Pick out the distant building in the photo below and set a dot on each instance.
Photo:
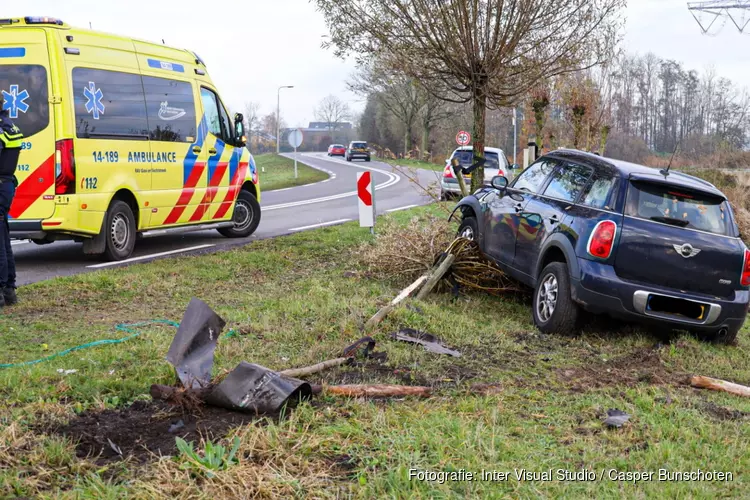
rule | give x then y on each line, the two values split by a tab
317	136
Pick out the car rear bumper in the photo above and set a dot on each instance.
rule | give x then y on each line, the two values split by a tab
359	155
598	289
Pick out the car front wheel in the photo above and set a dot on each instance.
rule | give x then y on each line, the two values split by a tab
246	217
469	228
554	310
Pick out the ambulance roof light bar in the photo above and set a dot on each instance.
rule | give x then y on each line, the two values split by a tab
43	20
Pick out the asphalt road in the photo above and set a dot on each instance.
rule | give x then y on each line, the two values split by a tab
285	211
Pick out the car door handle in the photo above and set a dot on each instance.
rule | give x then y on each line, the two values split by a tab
212	151
554	219
197	149
518	208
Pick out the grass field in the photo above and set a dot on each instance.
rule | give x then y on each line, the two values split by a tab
417	164
279	172
298	300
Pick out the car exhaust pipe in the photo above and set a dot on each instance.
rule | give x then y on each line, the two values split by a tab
723	331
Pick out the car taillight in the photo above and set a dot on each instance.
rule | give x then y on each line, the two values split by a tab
448	172
745	281
65	167
602	239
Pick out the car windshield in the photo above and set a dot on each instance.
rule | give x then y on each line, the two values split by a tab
359	145
466	158
678	207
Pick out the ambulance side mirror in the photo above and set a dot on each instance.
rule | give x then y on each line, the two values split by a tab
239	130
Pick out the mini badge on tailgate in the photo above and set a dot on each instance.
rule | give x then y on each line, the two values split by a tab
686	250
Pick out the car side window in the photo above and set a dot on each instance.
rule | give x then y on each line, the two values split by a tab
599	191
567	182
216	116
532	179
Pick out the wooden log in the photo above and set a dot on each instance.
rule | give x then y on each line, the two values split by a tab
716	384
372	391
436	276
385	310
309	370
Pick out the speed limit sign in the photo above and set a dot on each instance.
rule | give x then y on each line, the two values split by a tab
463	138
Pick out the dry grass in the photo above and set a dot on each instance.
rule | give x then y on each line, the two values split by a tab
405	252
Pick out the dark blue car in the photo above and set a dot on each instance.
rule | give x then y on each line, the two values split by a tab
605	236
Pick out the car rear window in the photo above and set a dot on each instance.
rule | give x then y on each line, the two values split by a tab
466	159
359	145
25	96
679	207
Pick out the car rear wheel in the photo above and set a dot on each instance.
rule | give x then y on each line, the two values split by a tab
246	217
120	231
469	228
554	310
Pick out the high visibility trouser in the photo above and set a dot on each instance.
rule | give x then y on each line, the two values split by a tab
11	140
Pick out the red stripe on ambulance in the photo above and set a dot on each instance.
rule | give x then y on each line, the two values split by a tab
234	189
33	187
213	188
187	193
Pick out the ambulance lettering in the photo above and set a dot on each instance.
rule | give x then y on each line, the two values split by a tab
150	157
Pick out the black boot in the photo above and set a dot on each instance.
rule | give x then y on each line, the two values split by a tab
9	296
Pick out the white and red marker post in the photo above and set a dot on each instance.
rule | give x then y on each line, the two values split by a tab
366	200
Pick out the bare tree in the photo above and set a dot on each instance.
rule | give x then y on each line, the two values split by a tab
252	120
332	111
395	91
487	52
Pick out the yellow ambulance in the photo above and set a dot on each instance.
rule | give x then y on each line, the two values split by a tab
123	139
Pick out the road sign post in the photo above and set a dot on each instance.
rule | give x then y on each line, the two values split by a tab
295	141
366	200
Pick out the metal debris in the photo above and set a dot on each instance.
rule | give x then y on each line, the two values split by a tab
114	447
254	388
430	342
192	350
616	418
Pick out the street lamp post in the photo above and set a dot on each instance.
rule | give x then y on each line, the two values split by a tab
278	115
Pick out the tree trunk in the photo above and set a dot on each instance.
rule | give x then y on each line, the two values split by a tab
480	118
425	137
407	141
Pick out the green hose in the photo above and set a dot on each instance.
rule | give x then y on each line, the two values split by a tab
124	327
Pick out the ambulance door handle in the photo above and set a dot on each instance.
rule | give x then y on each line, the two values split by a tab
197	149
212	151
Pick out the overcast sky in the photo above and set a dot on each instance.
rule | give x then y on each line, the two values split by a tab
252	47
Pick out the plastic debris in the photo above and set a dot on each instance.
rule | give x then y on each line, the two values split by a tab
429	341
254	388
66	372
176	426
616	418
192	350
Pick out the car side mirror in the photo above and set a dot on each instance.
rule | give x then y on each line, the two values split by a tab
515	166
499	182
239	130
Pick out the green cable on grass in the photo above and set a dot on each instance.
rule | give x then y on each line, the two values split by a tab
124	327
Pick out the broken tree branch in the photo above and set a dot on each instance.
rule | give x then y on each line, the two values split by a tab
384	311
436	276
372	391
309	370
716	384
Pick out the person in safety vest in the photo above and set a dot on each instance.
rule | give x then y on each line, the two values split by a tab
10	149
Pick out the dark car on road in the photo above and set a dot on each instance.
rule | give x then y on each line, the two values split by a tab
593	234
358	150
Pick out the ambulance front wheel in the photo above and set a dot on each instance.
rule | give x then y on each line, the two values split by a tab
246	217
120	231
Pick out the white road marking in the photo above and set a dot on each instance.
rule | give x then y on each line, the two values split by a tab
151	256
401	208
322	224
392	179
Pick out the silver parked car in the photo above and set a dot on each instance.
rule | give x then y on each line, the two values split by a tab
496	164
